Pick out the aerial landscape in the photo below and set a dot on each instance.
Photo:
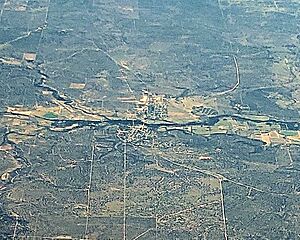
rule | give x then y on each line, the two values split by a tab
150	119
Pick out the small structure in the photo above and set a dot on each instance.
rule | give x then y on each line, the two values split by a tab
29	57
152	106
77	85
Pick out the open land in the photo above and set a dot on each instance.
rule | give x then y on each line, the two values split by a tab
147	119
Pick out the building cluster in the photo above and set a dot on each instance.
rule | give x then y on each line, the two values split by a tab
152	106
